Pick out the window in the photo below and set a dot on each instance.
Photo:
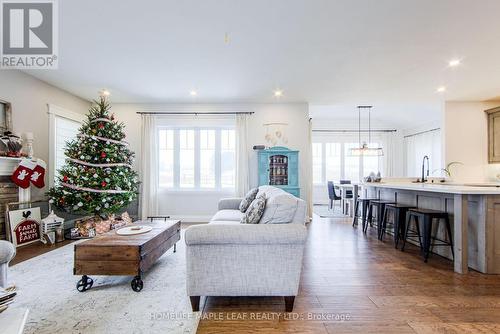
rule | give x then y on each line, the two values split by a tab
66	130
197	158
371	164
207	158
351	163
186	158
166	158
228	158
332	160
63	127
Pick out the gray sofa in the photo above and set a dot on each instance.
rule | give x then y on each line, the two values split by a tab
226	258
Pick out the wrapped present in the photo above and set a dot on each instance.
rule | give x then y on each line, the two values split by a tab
102	226
126	218
117	223
86	228
122	221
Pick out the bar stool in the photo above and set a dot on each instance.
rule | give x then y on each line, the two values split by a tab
399	223
364	210
428	216
380	205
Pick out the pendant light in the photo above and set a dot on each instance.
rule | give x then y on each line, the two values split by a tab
363	149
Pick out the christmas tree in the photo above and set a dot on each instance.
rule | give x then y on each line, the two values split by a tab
98	177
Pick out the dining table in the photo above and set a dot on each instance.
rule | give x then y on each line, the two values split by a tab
344	189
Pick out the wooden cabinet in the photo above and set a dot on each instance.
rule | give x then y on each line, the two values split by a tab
279	167
493	135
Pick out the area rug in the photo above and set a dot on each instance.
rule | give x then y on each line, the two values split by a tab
324	212
46	285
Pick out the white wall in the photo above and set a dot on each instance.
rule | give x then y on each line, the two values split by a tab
29	98
466	141
198	206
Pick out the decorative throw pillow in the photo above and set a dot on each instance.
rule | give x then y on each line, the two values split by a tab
249	197
254	211
280	209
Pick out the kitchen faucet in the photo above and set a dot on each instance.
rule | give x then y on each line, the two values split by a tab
423	169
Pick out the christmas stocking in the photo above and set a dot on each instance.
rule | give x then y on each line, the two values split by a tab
22	174
38	176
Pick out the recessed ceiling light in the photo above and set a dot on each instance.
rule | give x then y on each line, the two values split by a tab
441	89
193	93
454	62
278	93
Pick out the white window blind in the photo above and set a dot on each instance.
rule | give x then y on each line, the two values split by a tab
65	130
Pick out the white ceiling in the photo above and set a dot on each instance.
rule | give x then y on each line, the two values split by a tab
389	53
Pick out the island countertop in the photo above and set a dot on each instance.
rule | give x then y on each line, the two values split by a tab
447	188
474	209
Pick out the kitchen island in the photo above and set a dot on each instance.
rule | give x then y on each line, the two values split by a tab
474	212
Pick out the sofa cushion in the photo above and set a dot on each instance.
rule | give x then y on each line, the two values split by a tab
254	211
249	197
280	209
270	191
224	222
228	215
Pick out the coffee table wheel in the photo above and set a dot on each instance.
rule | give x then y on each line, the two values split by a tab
137	284
84	283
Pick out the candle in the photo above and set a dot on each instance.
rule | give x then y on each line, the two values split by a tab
29	135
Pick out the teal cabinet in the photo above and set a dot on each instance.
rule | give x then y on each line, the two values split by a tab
279	167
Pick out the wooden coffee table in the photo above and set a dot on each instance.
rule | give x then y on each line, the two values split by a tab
113	254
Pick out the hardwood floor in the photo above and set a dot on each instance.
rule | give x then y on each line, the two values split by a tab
352	283
37	248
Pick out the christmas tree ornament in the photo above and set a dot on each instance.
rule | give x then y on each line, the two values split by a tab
23	172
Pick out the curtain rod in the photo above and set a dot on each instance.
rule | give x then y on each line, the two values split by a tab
354	131
422	132
195	113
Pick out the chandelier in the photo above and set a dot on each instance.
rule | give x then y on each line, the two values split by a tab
364	149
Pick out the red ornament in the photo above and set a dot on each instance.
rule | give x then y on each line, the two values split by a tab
112	116
104	184
101	125
65	178
103	155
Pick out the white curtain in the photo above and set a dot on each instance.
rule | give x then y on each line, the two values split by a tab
308	170
149	166
389	168
419	145
242	153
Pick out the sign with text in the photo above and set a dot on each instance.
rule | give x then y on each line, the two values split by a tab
24	226
29	36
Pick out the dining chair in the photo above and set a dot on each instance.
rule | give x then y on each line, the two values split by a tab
332	195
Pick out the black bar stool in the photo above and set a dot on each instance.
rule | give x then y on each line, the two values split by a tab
399	223
364	210
380	205
428	216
